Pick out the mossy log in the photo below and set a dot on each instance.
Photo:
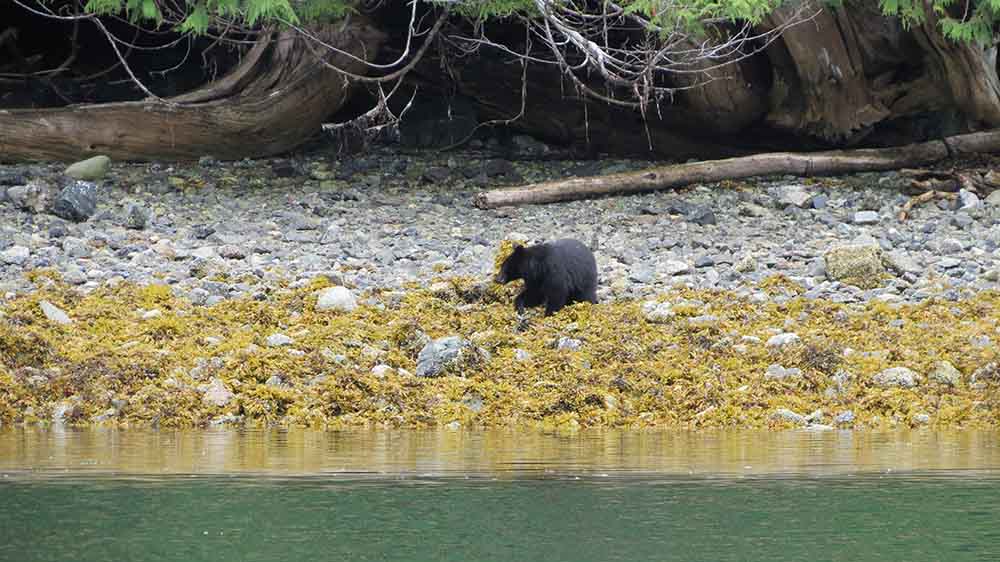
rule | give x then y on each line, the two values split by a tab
805	164
275	99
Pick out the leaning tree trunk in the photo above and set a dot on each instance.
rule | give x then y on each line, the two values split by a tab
271	102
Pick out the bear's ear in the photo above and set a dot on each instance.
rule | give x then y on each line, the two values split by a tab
518	249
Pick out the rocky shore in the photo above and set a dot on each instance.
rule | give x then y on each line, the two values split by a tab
233	270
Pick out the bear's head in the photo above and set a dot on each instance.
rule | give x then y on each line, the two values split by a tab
513	267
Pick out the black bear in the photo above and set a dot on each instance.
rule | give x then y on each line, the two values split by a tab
555	273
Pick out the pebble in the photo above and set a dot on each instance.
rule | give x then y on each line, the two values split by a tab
866	217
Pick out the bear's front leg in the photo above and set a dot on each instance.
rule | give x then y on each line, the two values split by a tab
526	299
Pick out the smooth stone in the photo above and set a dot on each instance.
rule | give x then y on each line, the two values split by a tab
54	313
336	298
866	217
15	255
901	377
216	393
278	340
781	340
91	169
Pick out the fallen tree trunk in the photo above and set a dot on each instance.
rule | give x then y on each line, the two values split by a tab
807	164
272	102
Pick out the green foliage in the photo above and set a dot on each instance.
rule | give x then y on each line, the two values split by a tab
959	22
690	15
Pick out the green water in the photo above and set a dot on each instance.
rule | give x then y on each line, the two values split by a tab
256	496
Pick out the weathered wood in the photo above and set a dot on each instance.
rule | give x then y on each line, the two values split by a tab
276	99
804	164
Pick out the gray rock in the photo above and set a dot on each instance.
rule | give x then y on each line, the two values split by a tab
451	354
74	276
75	247
136	217
521	355
276	381
571	344
968	200
844	417
278	340
921	419
856	264
657	312
993	199
704	261
54	313
216	393
795	195
866	217
642	274
232	252
746	264
381	371
91	169
675	267
945	373
77	201
703	321
988	372
784	414
777	372
950	246
15	255
336	298
949	263
899	377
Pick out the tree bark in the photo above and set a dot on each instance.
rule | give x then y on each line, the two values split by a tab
808	164
273	101
821	88
967	71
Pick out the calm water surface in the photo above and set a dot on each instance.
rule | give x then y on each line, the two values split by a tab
444	495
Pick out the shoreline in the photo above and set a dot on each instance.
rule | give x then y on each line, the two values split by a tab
193	291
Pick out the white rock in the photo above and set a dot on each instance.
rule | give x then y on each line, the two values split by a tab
676	267
15	255
782	340
336	298
216	393
278	340
55	314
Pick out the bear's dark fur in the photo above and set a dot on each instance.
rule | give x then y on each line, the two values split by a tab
555	274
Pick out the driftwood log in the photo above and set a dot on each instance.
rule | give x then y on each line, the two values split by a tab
274	100
801	164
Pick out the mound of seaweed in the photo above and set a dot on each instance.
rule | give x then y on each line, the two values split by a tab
141	356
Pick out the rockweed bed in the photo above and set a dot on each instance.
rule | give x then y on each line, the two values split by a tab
131	355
